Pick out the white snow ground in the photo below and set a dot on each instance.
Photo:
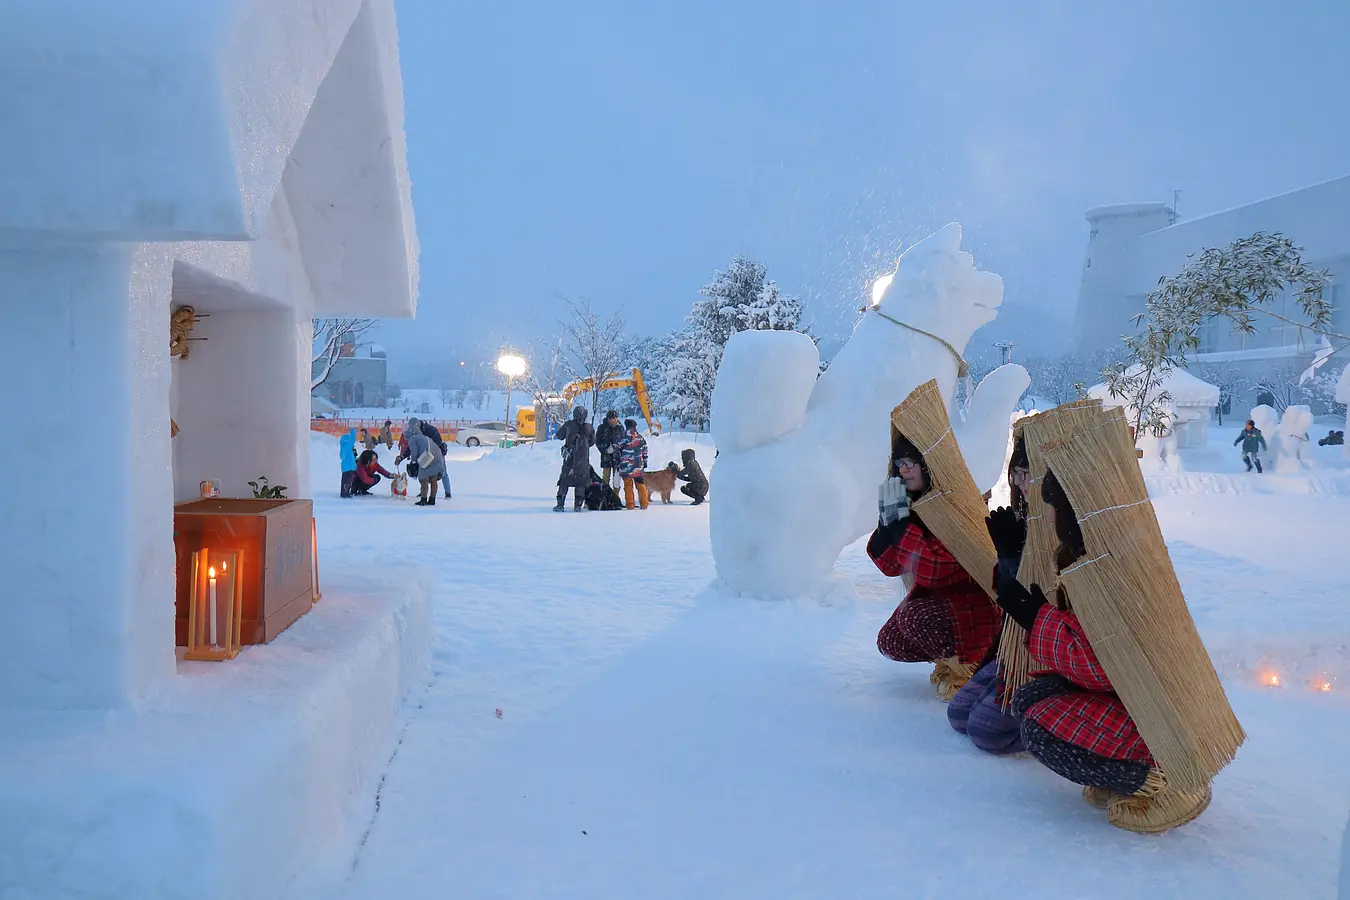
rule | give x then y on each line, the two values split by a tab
659	740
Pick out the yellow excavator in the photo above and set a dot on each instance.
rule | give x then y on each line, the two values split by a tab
527	419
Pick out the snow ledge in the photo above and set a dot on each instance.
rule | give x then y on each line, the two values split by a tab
237	779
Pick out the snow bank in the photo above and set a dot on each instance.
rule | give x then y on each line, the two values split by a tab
238	778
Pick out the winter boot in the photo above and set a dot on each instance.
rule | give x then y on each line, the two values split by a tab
559	508
949	675
1156	807
1098	797
1258	467
1248	461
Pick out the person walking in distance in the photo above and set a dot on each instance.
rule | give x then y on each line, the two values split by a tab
608	437
1253	442
577	438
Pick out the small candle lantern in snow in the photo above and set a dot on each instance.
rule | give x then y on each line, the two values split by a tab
216	609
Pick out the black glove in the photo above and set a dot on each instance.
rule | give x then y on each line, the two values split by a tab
1008	531
1020	604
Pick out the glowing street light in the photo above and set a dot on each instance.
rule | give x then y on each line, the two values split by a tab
511	366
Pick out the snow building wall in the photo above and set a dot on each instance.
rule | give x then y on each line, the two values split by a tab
245	157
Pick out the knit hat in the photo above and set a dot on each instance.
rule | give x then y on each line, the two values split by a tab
612	414
630	424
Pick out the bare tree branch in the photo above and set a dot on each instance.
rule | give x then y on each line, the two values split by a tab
330	336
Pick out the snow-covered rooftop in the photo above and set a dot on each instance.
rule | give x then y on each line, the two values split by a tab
1184	388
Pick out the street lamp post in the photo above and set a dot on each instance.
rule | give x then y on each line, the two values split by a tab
511	366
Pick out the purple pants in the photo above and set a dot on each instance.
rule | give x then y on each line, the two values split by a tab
975	712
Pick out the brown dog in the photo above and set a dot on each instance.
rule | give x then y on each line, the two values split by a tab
661	481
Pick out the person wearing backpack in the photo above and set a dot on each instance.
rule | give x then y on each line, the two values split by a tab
430	461
577	438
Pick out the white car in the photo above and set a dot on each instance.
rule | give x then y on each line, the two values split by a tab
490	433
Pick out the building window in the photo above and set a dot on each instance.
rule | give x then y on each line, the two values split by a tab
360	394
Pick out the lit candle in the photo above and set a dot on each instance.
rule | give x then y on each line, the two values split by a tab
1274	680
212	573
1326	687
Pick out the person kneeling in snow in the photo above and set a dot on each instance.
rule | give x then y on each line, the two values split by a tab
368	472
946	618
1072	719
977	710
697	488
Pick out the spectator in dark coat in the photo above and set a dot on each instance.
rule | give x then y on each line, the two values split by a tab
697	488
368	472
607	439
946	618
577	438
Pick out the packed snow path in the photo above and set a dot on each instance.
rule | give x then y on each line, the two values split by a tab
659	740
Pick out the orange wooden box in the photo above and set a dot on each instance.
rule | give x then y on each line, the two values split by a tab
278	562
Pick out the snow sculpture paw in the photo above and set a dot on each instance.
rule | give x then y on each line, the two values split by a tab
801	458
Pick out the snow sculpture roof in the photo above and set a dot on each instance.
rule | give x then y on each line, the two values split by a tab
156	120
1184	388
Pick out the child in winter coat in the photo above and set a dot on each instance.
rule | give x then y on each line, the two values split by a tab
1252	442
946	618
697	488
1072	720
632	462
347	457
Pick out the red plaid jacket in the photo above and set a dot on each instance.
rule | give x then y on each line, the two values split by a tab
976	621
1093	718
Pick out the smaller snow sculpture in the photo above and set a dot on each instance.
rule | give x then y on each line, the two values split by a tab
1290	451
1268	423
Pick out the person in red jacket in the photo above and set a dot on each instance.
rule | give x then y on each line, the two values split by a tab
1071	718
946	618
368	472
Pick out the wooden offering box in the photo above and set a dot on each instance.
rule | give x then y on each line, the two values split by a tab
277	564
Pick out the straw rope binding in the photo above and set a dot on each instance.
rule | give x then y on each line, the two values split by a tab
1125	594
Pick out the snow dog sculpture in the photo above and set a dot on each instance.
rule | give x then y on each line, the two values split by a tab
801	456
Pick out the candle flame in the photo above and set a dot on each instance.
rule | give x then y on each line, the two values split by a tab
1273	680
211	572
224	567
1326	687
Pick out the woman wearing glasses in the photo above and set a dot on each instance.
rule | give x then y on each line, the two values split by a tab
945	618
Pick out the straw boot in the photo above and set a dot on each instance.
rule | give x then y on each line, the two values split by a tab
1098	797
1156	807
949	675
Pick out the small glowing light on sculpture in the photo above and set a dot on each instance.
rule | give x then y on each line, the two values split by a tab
1273	679
879	287
1325	687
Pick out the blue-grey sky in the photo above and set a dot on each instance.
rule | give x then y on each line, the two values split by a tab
624	151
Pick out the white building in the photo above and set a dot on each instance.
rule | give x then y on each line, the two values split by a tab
1190	407
1131	246
245	158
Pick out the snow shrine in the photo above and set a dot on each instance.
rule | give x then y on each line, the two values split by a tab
196	182
1191	409
801	457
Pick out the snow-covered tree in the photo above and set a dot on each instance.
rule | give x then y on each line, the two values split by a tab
1054	379
739	298
1229	379
592	348
1236	283
330	336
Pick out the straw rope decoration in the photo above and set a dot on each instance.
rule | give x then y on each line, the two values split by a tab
1125	594
1038	554
953	508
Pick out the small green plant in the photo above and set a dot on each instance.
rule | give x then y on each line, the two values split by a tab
263	491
